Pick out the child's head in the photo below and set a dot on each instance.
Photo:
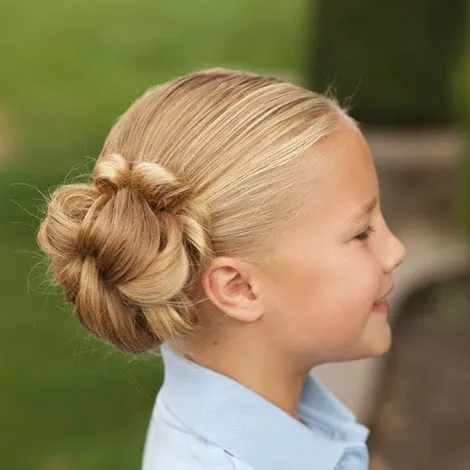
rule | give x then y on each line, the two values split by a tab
223	208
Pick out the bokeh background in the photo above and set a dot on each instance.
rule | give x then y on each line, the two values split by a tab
68	69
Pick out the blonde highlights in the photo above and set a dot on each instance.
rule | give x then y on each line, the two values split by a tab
201	166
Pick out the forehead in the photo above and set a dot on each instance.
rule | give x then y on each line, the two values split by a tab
346	177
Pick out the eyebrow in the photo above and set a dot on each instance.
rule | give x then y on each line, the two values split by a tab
365	209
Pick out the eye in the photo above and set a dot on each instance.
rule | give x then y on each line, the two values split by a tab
364	235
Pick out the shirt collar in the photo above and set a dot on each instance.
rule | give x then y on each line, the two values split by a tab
246	425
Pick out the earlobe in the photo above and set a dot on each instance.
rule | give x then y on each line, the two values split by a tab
227	285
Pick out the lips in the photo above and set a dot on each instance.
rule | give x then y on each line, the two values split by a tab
383	298
381	304
382	307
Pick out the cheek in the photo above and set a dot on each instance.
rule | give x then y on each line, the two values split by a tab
342	279
326	301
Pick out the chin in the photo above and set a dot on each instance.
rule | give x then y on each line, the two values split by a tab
378	340
380	346
375	347
378	352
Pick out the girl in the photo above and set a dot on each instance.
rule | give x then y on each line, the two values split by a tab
234	220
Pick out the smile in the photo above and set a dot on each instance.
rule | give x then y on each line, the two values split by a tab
382	306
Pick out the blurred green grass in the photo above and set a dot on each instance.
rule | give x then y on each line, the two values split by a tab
73	67
68	69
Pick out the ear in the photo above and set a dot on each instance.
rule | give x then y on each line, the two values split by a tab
228	284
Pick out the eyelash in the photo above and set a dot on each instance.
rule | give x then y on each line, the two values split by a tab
364	235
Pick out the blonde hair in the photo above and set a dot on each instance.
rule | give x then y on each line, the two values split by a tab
198	167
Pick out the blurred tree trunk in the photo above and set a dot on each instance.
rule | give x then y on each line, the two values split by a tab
396	60
463	105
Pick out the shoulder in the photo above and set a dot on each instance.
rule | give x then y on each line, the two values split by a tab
171	445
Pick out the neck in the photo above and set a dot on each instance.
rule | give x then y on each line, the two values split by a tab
261	369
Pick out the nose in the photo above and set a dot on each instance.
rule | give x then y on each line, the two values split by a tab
395	253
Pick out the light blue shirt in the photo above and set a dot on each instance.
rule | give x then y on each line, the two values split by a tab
205	420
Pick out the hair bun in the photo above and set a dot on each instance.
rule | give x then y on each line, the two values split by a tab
159	186
128	274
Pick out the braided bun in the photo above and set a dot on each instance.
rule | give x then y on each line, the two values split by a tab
125	248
